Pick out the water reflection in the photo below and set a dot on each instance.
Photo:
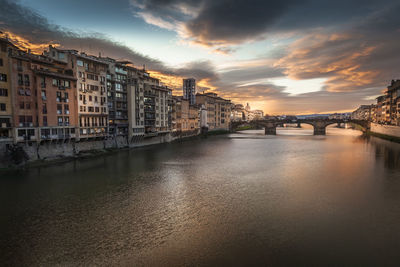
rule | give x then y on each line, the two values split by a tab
240	199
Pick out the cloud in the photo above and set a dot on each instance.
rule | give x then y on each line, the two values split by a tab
224	23
31	30
362	56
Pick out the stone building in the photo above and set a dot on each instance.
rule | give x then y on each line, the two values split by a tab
185	116
362	113
388	105
238	113
149	105
117	96
189	90
218	110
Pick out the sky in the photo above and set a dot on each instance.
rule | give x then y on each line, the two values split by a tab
281	56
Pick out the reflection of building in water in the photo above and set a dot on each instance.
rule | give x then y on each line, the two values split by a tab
388	151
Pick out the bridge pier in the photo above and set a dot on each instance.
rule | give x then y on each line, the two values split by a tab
270	129
319	130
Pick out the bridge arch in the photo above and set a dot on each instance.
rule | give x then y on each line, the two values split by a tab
319	125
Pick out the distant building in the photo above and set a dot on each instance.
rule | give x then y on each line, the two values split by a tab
339	116
238	113
388	105
189	90
252	114
362	113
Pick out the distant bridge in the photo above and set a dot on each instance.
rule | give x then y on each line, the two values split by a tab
319	125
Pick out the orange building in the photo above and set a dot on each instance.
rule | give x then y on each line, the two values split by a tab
44	97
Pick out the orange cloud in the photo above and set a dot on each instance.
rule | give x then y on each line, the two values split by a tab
25	44
336	56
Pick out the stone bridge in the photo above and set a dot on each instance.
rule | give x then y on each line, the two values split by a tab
319	125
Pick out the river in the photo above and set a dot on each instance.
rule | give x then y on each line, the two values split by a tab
240	199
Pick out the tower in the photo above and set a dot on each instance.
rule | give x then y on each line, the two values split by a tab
189	90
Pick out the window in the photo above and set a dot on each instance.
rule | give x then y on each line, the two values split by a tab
90	98
60	120
79	63
55	82
66	109
2	107
28	105
97	109
45	120
66	119
67	84
27	92
3	77
26	79
21	91
43	94
3	92
58	98
21	105
44	108
1	62
61	55
95	99
59	109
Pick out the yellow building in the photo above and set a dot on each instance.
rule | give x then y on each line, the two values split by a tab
218	110
185	117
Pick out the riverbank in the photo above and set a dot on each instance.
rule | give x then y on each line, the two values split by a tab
35	155
387	132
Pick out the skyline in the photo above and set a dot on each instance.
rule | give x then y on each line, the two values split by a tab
282	57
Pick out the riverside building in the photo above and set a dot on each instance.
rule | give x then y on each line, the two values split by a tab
6	106
218	110
90	73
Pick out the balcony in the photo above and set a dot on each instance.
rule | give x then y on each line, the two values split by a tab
25	124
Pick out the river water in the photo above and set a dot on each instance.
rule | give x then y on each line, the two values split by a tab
241	199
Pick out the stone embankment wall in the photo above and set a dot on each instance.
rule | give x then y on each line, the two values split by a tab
388	130
22	153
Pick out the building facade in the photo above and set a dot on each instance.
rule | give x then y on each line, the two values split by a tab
6	105
387	107
218	110
90	73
